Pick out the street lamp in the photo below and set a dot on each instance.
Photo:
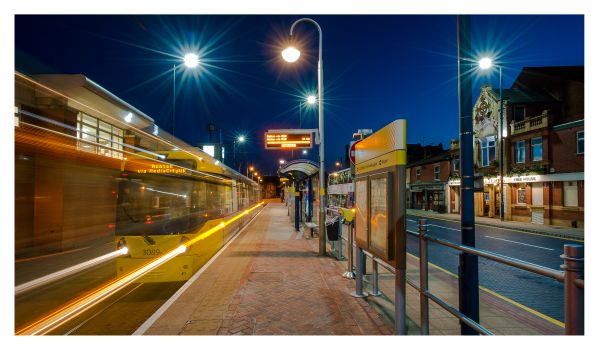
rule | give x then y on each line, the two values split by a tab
291	54
239	140
281	161
190	60
251	168
309	100
486	63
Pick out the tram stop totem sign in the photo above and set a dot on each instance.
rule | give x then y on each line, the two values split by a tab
380	192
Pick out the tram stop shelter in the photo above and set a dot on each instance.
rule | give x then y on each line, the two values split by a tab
303	190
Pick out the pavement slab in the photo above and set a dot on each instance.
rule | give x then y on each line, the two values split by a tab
270	281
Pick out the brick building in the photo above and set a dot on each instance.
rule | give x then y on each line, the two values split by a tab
428	183
543	148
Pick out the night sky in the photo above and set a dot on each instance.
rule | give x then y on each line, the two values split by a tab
377	68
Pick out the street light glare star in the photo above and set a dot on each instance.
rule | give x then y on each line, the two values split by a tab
241	138
311	99
485	63
191	60
290	54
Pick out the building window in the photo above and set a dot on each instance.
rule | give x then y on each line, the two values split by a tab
536	149
570	194
520	151
518	113
99	137
580	143
488	151
418	173
521	195
436	172
456	164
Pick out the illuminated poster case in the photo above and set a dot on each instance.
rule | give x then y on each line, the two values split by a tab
373	221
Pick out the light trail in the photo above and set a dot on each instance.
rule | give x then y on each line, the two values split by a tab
112	118
75	308
47	279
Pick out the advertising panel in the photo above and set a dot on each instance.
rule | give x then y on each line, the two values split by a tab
379	215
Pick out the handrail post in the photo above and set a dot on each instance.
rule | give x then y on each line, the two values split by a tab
573	266
340	256
423	277
360	269
350	269
375	279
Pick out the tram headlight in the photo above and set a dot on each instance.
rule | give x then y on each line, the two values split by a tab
122	246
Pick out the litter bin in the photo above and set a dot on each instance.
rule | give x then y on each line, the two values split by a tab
332	230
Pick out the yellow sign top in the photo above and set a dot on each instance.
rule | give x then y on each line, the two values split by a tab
384	148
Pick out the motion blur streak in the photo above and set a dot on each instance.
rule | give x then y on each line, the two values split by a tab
67	271
149	135
78	306
220	226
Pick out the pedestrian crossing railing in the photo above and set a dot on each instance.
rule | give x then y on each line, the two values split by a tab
572	276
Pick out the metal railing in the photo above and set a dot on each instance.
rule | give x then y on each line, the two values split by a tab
572	276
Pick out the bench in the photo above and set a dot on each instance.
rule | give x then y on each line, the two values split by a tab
310	226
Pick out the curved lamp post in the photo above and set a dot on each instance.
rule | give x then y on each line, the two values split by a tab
486	63
291	54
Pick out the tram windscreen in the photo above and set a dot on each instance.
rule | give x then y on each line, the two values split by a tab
168	205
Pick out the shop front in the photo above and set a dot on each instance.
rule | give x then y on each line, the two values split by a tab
428	197
551	199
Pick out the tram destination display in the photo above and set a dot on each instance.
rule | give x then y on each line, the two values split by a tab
288	140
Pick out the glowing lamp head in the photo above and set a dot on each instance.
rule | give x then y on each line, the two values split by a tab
290	54
129	117
304	152
485	63
281	162
191	60
241	138
311	99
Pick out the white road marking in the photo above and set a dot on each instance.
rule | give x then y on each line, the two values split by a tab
439	226
516	242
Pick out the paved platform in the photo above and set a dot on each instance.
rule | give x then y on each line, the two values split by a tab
269	281
551	230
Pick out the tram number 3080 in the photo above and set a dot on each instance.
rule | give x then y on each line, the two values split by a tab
151	252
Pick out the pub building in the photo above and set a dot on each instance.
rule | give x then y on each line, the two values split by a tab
543	153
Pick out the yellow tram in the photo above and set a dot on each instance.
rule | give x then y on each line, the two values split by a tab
165	203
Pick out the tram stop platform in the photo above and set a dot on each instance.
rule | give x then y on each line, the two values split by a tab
269	280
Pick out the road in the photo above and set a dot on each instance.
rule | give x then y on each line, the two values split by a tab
542	294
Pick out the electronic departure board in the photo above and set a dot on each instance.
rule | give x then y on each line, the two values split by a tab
288	140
